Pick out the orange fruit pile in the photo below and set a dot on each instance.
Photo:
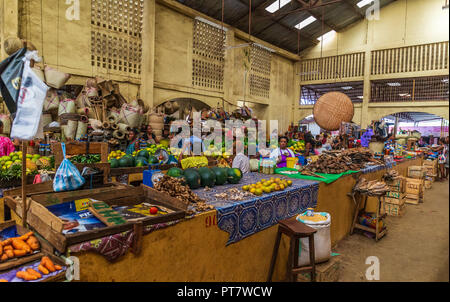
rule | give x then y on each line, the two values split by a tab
267	186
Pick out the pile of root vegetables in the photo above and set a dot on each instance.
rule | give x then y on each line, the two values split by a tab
340	161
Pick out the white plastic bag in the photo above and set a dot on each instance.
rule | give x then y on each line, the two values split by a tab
29	105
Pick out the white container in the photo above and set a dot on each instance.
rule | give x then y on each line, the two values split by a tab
322	240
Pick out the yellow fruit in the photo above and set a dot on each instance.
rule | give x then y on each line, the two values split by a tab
267	190
263	180
289	182
277	180
281	187
258	192
252	190
245	188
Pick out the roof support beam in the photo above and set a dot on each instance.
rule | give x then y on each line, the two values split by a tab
354	8
308	7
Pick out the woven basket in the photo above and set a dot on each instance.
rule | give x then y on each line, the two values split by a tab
51	101
331	109
12	44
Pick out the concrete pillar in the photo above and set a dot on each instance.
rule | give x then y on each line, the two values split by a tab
148	53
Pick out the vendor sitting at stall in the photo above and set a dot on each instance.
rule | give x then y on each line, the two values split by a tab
133	141
6	146
149	137
282	152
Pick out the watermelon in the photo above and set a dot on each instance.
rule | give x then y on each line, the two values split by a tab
175	172
143	153
141	161
234	175
153	160
208	177
221	175
114	163
126	161
192	178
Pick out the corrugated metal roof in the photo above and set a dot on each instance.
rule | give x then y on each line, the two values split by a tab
278	28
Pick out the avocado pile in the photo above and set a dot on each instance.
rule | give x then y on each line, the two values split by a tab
207	177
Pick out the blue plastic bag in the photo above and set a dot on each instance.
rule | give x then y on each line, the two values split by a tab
67	178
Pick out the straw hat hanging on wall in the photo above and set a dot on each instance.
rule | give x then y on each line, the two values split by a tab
331	109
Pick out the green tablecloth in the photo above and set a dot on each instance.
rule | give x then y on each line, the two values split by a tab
329	178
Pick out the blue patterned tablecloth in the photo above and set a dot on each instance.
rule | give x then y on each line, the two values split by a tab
244	218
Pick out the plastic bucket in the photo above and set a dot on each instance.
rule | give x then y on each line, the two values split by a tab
291	162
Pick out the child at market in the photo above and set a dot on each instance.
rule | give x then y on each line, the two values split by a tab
6	146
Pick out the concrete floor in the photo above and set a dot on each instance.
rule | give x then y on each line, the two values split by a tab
416	247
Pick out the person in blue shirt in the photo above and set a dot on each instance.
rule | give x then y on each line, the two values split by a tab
133	141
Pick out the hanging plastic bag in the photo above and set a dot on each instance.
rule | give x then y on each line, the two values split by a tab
67	178
29	105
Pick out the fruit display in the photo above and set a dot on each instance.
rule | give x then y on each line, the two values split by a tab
11	165
206	177
18	246
267	186
297	147
139	158
85	159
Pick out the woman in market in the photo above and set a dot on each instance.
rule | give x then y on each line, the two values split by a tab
282	152
442	150
309	144
6	146
133	141
149	136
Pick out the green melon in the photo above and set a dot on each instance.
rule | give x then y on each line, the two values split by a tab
126	161
141	161
114	163
143	153
153	160
175	172
234	175
221	175
192	178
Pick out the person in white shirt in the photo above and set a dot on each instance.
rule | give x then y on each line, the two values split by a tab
240	161
282	152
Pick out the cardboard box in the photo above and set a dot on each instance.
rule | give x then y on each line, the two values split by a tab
427	184
395	209
414	186
325	272
417	172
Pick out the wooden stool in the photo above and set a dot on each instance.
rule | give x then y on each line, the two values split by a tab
295	230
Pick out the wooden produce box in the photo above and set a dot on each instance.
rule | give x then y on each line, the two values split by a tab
430	171
397	185
414	187
60	276
394	195
11	263
139	170
428	184
398	200
392	209
413	199
432	163
416	172
51	226
325	272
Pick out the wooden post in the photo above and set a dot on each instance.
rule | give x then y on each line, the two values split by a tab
24	183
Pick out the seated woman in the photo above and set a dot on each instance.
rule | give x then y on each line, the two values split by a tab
133	141
282	152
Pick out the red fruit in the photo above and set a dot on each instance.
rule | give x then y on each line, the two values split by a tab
153	210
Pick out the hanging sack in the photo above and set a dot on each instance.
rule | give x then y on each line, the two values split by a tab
130	115
55	78
67	178
67	106
29	105
51	101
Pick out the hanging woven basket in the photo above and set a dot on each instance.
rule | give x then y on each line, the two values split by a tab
331	109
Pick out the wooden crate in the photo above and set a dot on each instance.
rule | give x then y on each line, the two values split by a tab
398	200
430	171
413	199
432	163
416	172
394	195
414	187
427	184
395	209
77	148
50	226
397	185
11	263
325	272
61	276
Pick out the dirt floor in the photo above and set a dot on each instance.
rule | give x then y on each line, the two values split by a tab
416	247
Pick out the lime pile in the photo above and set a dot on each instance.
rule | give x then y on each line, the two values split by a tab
267	186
